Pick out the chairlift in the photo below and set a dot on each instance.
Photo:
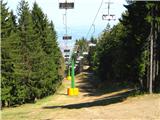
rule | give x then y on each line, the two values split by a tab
66	56
76	65
67	50
108	17
66	59
81	57
66	37
85	53
92	45
64	4
78	59
77	62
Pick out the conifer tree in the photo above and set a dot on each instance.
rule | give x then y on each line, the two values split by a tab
28	53
46	35
32	63
8	35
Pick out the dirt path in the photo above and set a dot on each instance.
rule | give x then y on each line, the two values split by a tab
90	104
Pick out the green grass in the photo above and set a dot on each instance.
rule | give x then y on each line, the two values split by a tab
49	98
23	112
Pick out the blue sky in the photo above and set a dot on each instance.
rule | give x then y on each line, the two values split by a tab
79	19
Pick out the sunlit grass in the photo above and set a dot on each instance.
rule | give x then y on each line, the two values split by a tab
23	112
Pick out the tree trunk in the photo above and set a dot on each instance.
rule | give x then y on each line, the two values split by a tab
151	63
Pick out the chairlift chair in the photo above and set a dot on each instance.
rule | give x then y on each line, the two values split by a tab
66	56
66	4
81	57
78	59
66	37
92	45
85	53
66	50
76	65
77	62
108	17
66	59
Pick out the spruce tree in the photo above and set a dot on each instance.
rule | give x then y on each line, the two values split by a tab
32	63
28	54
8	38
46	36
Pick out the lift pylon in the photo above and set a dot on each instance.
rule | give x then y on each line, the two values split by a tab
73	90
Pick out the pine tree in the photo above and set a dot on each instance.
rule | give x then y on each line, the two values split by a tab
52	52
32	63
47	37
8	35
123	50
136	40
28	55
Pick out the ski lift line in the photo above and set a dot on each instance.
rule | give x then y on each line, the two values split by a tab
94	19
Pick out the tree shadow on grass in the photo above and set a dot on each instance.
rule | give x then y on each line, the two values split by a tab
90	85
99	102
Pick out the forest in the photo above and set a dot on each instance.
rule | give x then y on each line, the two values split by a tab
32	64
123	52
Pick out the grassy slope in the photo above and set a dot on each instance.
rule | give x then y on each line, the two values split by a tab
87	106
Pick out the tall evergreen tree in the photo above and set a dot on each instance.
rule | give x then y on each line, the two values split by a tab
123	50
47	37
28	54
8	37
136	40
32	63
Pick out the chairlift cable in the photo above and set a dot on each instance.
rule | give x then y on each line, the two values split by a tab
94	19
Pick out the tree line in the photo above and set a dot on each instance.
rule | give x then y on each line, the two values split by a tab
123	52
31	61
